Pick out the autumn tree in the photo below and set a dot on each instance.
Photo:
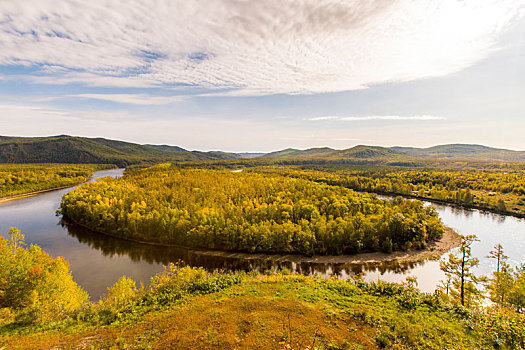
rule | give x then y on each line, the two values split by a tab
34	285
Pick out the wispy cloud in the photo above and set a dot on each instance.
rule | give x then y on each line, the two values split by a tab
378	117
36	112
249	48
136	99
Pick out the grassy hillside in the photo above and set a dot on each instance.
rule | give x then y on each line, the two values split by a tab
368	152
81	150
250	154
188	309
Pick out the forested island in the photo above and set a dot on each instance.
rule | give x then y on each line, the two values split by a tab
248	212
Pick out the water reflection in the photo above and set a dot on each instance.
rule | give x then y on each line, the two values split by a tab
211	260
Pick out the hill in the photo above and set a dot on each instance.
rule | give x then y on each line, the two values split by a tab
464	151
82	150
250	154
359	152
400	155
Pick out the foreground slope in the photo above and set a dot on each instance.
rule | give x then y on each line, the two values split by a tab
41	307
189	309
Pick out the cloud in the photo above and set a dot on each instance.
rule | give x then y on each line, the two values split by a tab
249	47
137	99
378	117
35	113
8	111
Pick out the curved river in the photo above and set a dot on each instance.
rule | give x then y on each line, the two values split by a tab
98	261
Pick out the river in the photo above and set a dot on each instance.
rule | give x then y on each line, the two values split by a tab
98	261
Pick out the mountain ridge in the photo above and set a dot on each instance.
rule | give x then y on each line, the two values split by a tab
81	150
462	151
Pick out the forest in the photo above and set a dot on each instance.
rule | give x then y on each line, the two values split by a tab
497	190
248	212
18	179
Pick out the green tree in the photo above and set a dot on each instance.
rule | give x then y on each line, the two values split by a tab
497	254
459	267
500	281
516	295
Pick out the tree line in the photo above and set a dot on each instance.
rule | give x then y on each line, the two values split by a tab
496	190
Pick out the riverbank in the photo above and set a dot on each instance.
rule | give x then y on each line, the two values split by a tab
33	179
36	218
455	205
30	194
433	251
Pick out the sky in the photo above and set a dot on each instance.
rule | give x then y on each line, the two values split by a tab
259	76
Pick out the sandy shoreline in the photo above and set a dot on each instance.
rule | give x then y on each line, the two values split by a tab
30	194
434	250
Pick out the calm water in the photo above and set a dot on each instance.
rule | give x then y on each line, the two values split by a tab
97	261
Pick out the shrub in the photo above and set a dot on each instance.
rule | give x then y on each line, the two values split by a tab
175	282
35	286
121	294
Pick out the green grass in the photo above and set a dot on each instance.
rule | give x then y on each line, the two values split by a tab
189	309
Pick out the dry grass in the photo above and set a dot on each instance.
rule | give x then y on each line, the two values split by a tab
267	312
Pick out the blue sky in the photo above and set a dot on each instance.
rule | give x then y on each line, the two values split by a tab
261	76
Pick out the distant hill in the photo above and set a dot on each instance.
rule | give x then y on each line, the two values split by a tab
168	148
368	152
82	150
464	151
357	152
250	154
401	155
71	149
296	153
